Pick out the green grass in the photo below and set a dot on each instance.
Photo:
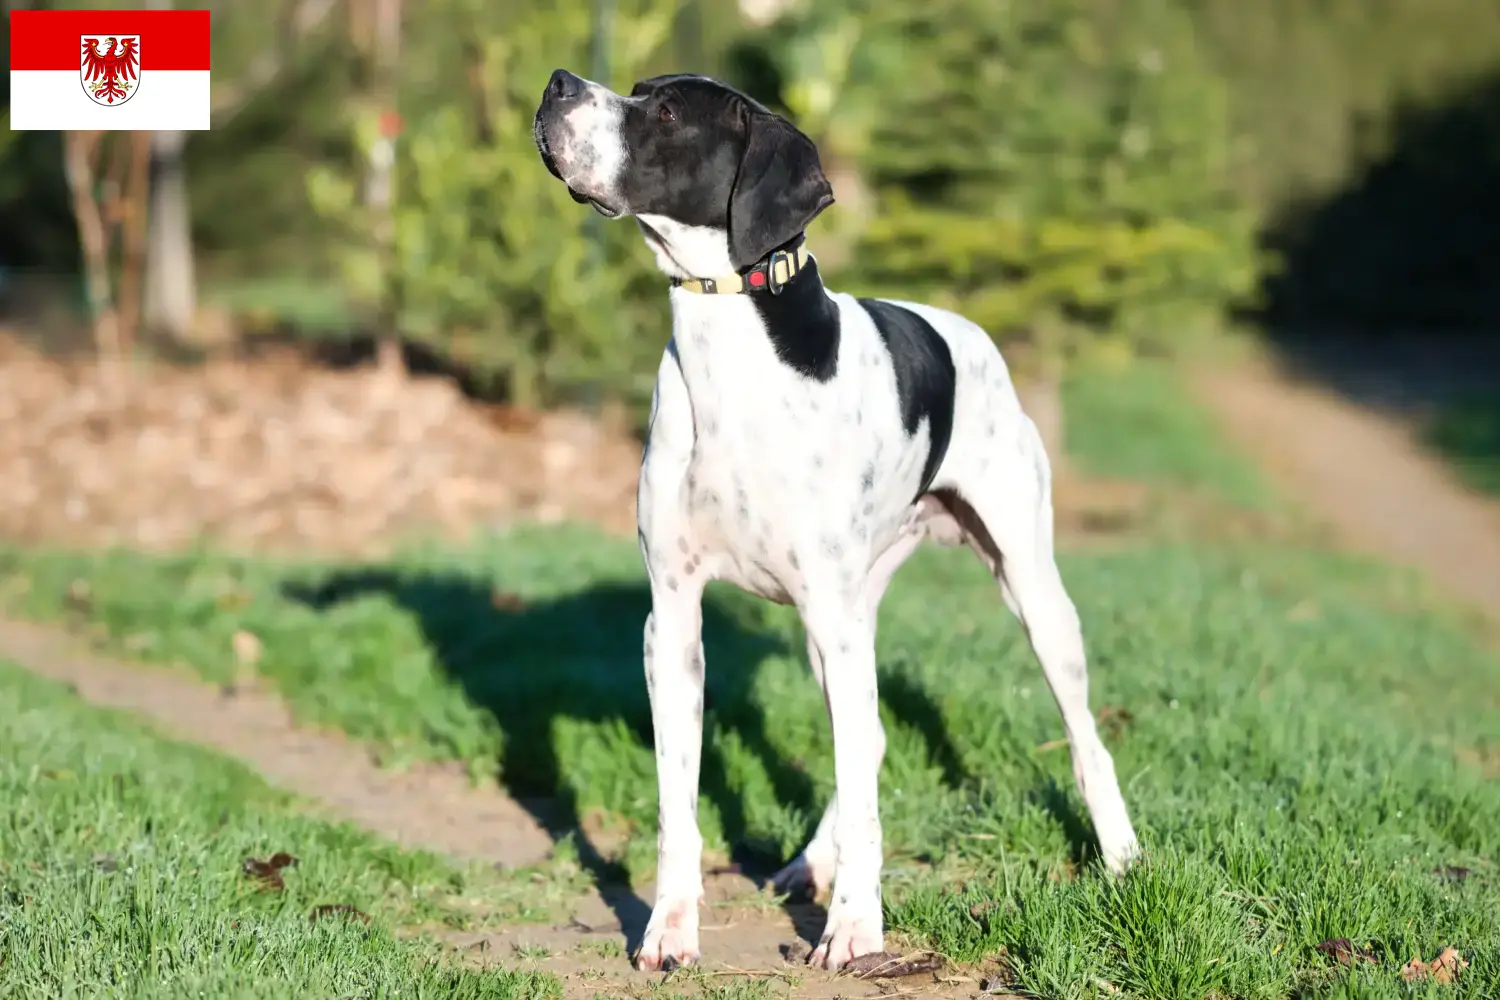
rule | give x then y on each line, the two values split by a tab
1467	434
1137	421
1293	751
120	857
1291	757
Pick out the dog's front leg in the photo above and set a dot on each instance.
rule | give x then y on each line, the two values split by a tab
673	650
845	636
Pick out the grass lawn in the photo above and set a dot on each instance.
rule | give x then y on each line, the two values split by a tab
1302	738
1289	734
120	875
1135	421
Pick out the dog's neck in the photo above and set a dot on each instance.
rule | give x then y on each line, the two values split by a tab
726	343
686	251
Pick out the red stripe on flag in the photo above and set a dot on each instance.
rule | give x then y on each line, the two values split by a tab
53	39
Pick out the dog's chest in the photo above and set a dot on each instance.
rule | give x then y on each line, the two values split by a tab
790	477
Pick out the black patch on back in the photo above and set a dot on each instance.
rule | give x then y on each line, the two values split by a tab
926	380
803	324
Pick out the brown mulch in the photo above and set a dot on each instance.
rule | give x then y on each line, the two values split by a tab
277	454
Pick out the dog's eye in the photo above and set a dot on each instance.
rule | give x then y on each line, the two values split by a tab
664	113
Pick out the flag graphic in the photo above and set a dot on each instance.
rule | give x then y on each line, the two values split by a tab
109	69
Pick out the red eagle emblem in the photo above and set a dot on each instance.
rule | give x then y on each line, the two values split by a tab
111	71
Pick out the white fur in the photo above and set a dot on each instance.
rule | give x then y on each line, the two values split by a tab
687	251
801	492
589	149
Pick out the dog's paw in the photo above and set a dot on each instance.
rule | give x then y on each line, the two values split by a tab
1118	857
847	937
802	879
671	937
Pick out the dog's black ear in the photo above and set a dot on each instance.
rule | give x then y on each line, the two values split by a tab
779	189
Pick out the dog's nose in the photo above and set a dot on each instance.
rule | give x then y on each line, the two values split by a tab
564	86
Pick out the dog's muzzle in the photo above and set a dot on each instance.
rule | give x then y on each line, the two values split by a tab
563	90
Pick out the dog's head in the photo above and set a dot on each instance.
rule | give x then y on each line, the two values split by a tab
715	180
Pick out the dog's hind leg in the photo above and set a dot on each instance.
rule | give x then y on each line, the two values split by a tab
811	872
1005	507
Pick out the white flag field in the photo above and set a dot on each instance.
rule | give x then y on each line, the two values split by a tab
109	69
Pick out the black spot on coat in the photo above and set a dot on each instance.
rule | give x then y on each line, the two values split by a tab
926	379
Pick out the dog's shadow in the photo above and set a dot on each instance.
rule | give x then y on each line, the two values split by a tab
577	658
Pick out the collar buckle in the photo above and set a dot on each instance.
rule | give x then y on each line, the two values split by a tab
773	284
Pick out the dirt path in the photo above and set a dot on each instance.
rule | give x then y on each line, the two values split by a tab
1362	474
431	807
439	809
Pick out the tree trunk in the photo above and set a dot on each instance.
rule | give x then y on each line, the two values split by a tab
79	149
380	180
136	210
171	286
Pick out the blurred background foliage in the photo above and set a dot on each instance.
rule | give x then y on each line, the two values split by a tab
1082	174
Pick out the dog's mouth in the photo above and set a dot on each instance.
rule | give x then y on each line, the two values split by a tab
550	162
599	206
539	135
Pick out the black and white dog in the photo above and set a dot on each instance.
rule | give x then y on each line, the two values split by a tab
802	444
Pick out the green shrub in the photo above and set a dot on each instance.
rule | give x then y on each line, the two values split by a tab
1313	85
1052	160
495	265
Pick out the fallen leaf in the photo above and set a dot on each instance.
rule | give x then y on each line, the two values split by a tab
504	600
337	910
1114	718
268	872
892	965
1346	951
1446	967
